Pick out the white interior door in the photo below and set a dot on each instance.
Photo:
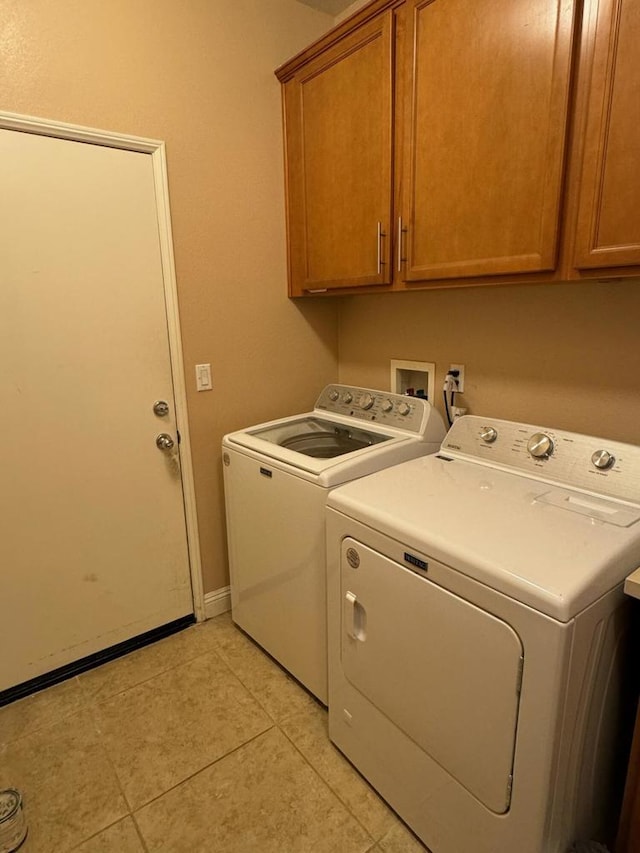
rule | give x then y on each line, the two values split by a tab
93	548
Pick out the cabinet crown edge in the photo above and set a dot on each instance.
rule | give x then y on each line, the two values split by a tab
288	69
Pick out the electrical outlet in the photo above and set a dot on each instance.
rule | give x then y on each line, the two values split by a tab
459	377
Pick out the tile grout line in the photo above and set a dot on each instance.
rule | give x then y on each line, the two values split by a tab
43	727
277	724
92	708
278	666
93	703
335	793
99	832
132	810
143	840
87	711
247	688
98	699
202	769
377	840
216	649
98	731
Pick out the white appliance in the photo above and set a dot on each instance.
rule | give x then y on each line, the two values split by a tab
478	632
277	476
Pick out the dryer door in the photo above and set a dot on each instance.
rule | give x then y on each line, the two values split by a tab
441	669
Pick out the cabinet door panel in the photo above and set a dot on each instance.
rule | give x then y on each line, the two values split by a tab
608	229
486	122
338	114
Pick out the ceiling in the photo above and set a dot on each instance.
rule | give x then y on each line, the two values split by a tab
331	7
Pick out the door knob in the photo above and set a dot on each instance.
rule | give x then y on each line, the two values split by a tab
164	442
161	408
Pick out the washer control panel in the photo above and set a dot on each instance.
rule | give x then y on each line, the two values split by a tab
609	468
381	407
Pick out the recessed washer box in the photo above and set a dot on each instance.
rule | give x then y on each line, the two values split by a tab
418	375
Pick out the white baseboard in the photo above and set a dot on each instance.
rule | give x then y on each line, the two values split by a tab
216	602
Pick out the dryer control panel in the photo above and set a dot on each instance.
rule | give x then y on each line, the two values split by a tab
381	407
598	465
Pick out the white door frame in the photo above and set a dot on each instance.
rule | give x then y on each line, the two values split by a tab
156	149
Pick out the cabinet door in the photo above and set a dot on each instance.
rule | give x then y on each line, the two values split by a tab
338	120
608	228
485	135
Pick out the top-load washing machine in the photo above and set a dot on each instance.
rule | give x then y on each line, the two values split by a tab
478	631
277	476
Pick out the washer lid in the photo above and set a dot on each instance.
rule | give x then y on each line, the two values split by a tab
317	437
262	441
556	550
376	428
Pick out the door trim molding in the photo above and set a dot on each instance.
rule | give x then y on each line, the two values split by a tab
156	149
218	601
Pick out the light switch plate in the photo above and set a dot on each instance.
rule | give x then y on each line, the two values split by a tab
203	377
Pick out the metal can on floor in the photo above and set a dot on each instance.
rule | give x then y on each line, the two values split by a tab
13	826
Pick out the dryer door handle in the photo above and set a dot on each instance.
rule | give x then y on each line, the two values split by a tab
355	617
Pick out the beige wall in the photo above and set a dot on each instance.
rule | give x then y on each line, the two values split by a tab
198	74
351	9
565	356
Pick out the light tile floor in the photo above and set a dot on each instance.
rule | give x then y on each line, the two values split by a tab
197	743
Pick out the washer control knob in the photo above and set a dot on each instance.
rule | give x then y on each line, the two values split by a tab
488	434
540	445
387	406
333	395
366	401
347	397
603	460
404	408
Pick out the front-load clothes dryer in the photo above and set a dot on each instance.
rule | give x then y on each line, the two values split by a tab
478	633
277	476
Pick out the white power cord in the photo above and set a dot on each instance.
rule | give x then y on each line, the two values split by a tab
450	383
450	386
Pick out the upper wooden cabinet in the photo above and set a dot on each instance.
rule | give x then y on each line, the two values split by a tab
608	182
438	143
338	134
486	112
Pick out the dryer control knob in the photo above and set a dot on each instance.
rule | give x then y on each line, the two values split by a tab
366	401
488	434
387	406
603	460
404	408
333	395
347	397
540	445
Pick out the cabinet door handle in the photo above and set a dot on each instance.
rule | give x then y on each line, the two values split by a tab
401	231
381	234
